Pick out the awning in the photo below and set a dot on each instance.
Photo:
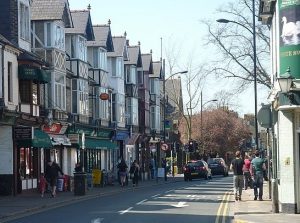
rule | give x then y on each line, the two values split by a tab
132	139
34	73
94	143
58	140
41	139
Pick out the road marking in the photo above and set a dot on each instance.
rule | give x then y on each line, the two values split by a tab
97	220
168	191
141	202
156	195
180	204
125	211
223	207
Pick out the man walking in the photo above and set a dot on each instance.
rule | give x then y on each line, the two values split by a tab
257	168
238	178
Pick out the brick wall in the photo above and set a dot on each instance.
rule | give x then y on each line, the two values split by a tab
9	20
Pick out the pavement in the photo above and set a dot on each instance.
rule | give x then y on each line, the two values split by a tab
250	211
245	211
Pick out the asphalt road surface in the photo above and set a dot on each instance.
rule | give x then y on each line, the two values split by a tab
181	202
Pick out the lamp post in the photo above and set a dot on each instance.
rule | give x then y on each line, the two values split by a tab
164	104
201	111
254	63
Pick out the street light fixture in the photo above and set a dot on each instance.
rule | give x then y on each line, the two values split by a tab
201	110
253	32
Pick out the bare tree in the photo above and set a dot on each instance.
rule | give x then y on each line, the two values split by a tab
233	42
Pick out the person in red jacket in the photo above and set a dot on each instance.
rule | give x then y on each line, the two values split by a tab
246	172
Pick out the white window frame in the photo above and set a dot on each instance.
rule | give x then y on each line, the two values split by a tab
10	91
103	105
24	22
155	117
131	75
60	91
154	86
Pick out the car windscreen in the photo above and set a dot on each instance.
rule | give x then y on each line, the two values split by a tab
194	164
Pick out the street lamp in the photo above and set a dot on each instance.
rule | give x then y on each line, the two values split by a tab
201	110
254	63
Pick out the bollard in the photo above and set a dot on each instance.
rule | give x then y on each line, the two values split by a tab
275	206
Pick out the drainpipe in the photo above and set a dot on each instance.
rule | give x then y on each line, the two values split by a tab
2	68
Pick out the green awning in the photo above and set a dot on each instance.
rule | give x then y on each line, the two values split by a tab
41	139
93	143
34	74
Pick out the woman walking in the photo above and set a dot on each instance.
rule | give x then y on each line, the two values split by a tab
122	166
134	172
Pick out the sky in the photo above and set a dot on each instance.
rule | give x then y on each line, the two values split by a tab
162	24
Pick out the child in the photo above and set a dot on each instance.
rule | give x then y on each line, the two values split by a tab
43	184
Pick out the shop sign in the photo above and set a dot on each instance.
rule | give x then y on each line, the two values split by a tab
104	133
289	33
55	128
22	133
74	138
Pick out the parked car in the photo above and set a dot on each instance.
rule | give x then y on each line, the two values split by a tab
218	166
196	169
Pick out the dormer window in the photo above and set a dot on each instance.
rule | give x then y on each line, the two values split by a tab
24	22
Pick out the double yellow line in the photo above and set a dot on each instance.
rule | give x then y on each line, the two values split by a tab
223	208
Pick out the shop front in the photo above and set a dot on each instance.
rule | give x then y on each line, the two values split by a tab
31	146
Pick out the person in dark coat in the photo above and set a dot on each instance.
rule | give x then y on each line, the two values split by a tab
122	166
51	174
134	171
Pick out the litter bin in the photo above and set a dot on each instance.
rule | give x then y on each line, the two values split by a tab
79	183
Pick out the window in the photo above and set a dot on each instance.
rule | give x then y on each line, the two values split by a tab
103	60
59	38
154	117
118	108
24	22
140	77
80	96
96	57
48	39
132	111
82	48
10	81
59	91
154	86
55	36
131	75
24	88
103	105
117	67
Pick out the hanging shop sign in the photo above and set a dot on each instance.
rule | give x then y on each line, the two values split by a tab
289	36
21	133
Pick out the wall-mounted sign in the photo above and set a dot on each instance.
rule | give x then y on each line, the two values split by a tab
22	133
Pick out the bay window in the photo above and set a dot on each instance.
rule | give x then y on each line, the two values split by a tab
132	111
54	36
154	86
60	91
118	108
80	96
155	117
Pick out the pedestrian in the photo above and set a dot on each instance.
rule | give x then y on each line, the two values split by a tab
122	166
238	179
78	168
246	172
43	184
151	168
51	174
256	169
134	173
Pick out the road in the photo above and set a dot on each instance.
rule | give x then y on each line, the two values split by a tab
181	202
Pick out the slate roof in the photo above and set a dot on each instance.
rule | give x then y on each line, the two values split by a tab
103	37
119	44
133	53
147	60
82	24
157	69
52	10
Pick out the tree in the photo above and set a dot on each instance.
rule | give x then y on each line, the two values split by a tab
233	43
222	131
